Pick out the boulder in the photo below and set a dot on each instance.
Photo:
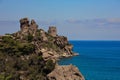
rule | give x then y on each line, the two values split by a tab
66	72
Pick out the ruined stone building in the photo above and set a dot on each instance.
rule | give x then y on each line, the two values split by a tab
24	26
28	28
52	31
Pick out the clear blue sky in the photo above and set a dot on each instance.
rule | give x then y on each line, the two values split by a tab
77	19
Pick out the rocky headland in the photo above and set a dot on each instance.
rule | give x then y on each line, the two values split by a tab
32	54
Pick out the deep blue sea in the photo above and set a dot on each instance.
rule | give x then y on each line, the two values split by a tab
97	60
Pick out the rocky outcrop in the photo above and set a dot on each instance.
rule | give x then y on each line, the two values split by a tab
27	28
66	72
63	43
43	35
49	41
33	27
49	46
24	26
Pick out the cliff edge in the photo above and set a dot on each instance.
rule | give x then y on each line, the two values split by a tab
65	72
32	53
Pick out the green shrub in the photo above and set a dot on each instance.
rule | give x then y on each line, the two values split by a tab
49	66
14	47
30	38
27	48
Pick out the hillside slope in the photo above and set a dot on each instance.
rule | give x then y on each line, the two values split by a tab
32	54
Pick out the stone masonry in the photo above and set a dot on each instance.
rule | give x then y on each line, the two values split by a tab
52	31
27	28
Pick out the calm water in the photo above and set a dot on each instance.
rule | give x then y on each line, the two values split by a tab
98	60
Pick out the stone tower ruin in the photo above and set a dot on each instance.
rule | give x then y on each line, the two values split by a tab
27	28
24	25
52	31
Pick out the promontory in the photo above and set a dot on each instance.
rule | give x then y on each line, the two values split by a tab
32	54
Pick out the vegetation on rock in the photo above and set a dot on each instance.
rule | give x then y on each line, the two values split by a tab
30	54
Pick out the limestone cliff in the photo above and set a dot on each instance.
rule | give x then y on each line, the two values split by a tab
65	72
49	43
36	53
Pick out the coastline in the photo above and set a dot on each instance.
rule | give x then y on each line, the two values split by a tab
97	60
37	50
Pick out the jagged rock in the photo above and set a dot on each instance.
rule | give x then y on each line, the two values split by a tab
52	31
66	72
33	27
49	46
27	28
63	43
24	22
24	26
50	54
43	35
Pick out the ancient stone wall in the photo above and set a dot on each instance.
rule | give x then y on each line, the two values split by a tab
28	28
24	26
52	31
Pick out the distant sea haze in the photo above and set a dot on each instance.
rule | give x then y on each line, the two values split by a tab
97	60
73	31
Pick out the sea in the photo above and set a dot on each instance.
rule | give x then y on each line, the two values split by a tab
97	60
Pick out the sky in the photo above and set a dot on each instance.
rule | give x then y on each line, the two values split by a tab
76	19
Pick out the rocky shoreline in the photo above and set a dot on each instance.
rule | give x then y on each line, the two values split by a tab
47	47
65	72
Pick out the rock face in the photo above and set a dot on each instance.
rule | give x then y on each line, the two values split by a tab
27	28
48	46
24	25
62	48
63	43
68	72
43	35
33	27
